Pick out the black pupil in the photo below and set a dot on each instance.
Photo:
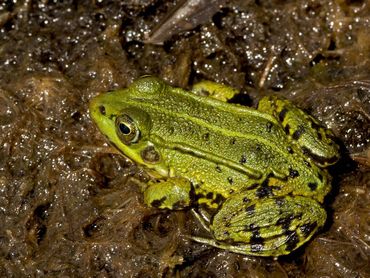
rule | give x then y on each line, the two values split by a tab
124	128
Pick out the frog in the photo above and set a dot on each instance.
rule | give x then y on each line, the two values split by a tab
255	178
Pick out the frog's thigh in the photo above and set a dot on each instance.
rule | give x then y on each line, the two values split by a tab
302	128
266	227
214	90
170	193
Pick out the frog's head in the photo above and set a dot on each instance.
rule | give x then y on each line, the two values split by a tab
127	126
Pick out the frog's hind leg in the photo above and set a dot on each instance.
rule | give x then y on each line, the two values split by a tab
265	227
170	193
214	90
314	140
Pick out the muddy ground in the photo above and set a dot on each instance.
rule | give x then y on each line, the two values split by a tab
71	207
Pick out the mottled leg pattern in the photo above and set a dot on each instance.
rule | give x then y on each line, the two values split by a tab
313	139
265	227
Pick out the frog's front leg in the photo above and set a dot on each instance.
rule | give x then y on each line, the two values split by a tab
265	227
214	90
303	129
169	193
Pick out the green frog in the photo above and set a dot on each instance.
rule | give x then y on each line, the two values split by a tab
258	173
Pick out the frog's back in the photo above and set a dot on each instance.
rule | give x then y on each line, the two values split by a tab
206	117
215	142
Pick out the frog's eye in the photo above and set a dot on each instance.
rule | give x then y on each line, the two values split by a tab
127	130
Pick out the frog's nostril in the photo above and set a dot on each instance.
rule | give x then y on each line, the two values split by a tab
102	109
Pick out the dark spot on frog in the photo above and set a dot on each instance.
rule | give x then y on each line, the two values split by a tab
158	203
268	126
250	209
219	199
231	191
253	186
285	222
292	240
251	227
320	177
256	236
230	180
298	133
150	155
293	173
226	233
265	190
232	141
243	159
246	200
218	168
312	185
256	240
290	150
308	228
307	163
205	136
287	128
209	195
198	196
282	114
102	109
